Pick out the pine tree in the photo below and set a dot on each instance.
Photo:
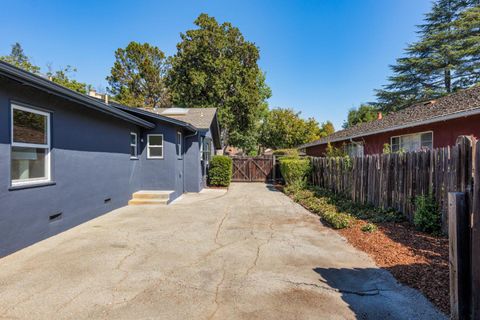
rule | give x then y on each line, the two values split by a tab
433	66
18	58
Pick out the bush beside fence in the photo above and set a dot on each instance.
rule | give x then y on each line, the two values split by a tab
395	180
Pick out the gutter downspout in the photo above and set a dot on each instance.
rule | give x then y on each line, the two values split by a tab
183	161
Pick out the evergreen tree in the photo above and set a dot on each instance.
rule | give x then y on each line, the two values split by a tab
434	65
137	76
18	58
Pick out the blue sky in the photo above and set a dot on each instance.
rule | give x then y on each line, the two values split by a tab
321	57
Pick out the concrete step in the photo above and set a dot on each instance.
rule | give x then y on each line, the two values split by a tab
152	194
138	202
151	197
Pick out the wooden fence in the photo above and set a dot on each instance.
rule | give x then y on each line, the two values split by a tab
394	180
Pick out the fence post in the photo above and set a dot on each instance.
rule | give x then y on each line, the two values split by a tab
274	173
459	255
475	244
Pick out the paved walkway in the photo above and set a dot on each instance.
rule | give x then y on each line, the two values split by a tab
250	253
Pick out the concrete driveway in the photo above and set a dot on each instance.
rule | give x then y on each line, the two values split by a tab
250	253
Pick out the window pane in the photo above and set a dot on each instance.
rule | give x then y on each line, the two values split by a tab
156	151
28	163
155	140
29	127
133	151
427	140
133	139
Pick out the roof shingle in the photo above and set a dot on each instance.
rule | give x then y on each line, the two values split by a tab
200	118
457	103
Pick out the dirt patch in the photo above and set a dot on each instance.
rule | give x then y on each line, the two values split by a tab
414	258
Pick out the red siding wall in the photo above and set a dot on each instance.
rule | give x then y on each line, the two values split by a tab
445	133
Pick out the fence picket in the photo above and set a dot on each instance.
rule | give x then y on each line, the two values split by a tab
394	180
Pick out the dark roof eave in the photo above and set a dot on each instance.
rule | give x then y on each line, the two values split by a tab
38	82
393	128
156	116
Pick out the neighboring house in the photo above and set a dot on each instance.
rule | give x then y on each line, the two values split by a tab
432	124
66	157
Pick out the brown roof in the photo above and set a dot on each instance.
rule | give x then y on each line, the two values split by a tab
455	105
200	118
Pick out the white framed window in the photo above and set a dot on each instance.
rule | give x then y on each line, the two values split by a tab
206	149
155	146
179	145
30	146
133	145
355	149
412	142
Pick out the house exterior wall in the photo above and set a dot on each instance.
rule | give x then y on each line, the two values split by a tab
92	172
445	133
193	173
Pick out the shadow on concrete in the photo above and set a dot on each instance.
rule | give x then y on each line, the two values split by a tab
271	187
373	293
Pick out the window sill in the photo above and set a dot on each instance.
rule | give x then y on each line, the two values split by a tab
134	158
32	185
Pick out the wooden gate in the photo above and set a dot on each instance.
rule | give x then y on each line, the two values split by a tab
252	169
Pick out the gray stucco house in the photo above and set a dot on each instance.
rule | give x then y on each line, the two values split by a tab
66	158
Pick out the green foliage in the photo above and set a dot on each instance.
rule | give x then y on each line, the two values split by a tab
335	152
326	129
295	171
369	228
216	67
62	78
137	76
284	128
365	113
357	210
427	214
291	153
387	149
321	206
445	58
18	58
220	171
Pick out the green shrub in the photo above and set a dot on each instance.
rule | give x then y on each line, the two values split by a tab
369	227
321	206
295	171
293	153
220	171
427	214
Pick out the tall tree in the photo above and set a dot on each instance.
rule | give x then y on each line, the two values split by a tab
137	76
432	66
365	113
18	58
62	77
326	129
284	128
216	67
467	30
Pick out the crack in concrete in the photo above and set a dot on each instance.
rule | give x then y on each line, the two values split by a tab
217	290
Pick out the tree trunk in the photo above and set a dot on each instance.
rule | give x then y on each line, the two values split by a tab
448	79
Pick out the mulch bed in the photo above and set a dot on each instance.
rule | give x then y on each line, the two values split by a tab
415	259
